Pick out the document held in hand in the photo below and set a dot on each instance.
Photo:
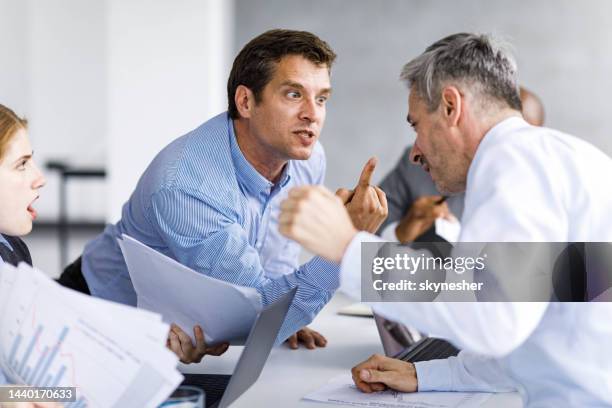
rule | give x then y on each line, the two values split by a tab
226	312
112	355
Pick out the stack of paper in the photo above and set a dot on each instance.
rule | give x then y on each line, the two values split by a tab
187	298
356	309
113	354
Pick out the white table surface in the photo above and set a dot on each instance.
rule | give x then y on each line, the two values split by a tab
290	374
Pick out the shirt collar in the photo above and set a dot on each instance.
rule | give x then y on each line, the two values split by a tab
5	242
247	175
507	125
502	128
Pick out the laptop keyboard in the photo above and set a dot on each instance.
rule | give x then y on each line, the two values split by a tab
214	385
429	349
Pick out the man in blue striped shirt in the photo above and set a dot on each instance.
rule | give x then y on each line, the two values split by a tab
211	198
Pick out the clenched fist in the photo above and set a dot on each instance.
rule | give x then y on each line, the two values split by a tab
316	218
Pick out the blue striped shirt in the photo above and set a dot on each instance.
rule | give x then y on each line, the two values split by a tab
202	203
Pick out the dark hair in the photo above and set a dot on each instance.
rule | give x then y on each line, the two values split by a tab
255	64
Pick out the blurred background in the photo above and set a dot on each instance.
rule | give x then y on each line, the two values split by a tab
105	84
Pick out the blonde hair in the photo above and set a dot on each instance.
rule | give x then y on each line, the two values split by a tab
10	123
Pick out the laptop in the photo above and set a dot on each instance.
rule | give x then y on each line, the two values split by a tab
222	390
407	345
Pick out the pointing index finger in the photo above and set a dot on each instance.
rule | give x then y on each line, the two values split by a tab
366	173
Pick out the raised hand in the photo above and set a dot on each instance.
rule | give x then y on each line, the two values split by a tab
366	204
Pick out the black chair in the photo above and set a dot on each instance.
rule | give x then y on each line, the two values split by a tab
66	173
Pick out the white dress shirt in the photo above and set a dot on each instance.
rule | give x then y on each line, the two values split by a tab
525	183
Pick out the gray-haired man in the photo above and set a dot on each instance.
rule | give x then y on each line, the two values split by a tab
522	183
414	203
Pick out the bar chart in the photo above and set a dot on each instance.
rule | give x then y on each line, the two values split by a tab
36	370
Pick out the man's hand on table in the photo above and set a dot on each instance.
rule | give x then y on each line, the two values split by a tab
379	372
180	343
311	339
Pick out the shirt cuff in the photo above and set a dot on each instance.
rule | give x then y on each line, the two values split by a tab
350	267
327	274
434	375
388	234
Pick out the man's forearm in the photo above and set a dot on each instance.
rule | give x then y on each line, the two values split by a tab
316	280
466	372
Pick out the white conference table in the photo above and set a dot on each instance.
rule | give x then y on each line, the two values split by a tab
290	374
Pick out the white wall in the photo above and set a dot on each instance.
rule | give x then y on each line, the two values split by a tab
53	72
168	64
13	51
66	93
107	83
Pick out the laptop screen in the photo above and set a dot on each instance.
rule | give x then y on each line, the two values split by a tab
257	348
395	337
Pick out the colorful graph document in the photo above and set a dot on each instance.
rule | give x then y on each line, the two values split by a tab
51	336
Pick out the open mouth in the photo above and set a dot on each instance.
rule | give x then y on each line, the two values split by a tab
33	213
306	136
304	133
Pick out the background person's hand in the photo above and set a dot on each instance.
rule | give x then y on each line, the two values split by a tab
421	216
311	339
379	372
366	204
316	219
180	343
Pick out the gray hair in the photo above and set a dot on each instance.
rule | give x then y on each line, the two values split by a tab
478	61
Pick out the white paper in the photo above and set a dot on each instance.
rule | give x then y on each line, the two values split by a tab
187	298
342	390
449	230
52	336
356	309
